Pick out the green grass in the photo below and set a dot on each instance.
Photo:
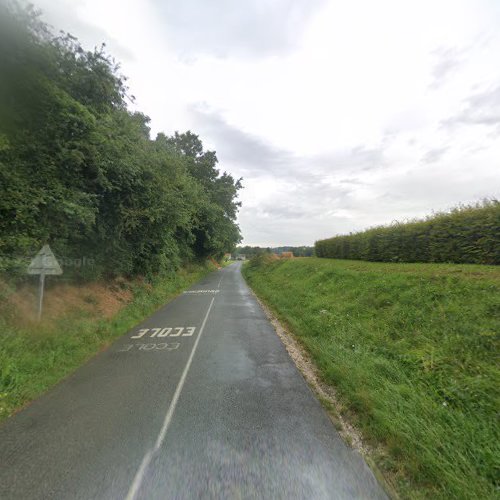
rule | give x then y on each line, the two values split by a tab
412	351
33	360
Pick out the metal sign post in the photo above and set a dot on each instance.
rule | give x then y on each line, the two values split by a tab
44	263
41	286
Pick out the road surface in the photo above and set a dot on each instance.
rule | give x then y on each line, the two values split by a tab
200	400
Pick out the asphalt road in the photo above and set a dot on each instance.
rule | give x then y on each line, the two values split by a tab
201	400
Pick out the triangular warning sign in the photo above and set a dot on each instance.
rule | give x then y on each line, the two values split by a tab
45	262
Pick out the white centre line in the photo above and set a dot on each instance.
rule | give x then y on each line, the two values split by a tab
220	281
136	484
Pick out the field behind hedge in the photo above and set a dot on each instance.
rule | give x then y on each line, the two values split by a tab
468	234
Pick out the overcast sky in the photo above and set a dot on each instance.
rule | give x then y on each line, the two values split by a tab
339	115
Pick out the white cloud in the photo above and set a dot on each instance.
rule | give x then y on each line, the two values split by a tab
339	114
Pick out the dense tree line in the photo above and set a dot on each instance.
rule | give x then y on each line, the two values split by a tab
467	234
79	170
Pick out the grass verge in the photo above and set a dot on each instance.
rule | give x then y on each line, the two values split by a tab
411	351
34	357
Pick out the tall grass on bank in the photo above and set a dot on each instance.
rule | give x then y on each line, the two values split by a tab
469	234
412	351
34	358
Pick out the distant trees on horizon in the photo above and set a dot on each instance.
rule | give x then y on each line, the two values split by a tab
300	251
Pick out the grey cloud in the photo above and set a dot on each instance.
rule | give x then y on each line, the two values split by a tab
225	27
434	155
352	180
272	230
352	160
252	155
448	61
481	109
282	211
310	202
307	193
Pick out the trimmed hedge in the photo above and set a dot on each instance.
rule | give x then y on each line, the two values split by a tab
467	234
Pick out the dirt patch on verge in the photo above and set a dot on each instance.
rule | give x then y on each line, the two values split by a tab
60	299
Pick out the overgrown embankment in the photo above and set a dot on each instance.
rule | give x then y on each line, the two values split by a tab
464	235
411	350
78	322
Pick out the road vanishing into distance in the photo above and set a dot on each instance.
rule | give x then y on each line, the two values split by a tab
200	400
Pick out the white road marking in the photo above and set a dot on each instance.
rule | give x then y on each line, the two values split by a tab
200	291
178	331
141	333
132	492
164	332
189	331
155	331
151	346
136	484
220	281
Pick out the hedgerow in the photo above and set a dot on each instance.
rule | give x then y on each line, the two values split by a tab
466	234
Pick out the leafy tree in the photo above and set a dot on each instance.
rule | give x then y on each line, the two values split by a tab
79	170
216	231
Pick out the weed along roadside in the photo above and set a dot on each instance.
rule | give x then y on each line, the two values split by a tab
410	351
78	322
